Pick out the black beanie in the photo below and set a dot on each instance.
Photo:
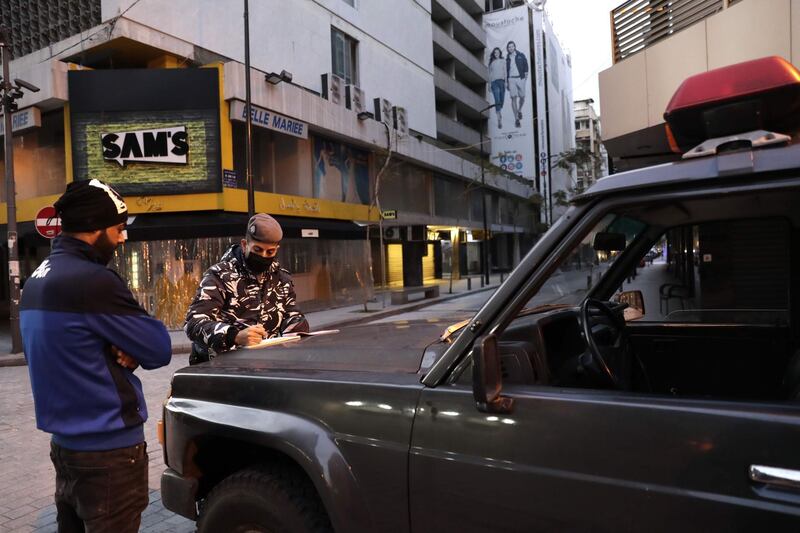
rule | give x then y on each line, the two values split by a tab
90	205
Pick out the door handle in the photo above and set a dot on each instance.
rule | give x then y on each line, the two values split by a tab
778	477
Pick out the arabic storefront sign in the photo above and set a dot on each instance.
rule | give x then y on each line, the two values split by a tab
270	120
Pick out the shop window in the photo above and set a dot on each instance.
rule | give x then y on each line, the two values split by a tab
407	188
341	172
451	198
263	169
39	161
291	169
164	275
344	57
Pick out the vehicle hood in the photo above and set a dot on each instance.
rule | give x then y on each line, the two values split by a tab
384	347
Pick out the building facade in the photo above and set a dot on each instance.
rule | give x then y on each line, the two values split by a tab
152	101
531	125
593	164
655	47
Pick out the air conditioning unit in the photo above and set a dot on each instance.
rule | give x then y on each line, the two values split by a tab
392	233
355	99
400	120
333	88
383	111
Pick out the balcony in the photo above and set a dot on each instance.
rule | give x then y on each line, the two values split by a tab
468	67
447	88
452	131
473	7
465	29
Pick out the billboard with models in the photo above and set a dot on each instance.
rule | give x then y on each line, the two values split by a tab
508	61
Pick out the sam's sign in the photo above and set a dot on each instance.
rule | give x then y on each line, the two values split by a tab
163	145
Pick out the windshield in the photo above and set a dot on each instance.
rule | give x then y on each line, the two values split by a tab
583	267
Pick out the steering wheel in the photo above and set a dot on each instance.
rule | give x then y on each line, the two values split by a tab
597	358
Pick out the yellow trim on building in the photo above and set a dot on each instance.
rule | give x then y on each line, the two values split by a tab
67	144
166	61
233	200
27	209
174	203
300	206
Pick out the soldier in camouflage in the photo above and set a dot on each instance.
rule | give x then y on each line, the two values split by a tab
244	298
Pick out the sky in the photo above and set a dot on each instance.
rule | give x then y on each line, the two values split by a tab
584	30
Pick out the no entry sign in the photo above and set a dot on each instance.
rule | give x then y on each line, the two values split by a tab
48	225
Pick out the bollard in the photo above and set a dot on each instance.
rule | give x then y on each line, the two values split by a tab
469	283
502	276
482	280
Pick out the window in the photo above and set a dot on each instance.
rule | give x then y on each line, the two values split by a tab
688	297
344	56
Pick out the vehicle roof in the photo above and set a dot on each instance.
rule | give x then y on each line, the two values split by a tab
738	163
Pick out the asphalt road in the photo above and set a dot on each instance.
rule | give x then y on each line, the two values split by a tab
26	474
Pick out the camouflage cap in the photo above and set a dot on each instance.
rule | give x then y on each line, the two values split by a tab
264	228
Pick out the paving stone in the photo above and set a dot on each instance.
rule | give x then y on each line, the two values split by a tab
27	478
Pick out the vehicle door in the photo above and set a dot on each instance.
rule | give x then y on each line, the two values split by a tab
570	459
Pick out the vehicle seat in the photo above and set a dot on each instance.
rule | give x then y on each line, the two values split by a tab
668	291
522	363
790	387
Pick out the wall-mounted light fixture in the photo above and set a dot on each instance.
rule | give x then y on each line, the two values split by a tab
275	78
364	115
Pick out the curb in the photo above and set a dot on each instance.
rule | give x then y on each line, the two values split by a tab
16	359
406	308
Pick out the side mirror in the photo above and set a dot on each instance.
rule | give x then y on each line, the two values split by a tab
487	377
635	301
609	242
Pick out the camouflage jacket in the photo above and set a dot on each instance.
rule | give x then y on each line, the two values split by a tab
231	298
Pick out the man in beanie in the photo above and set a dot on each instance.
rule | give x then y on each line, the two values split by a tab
83	335
244	298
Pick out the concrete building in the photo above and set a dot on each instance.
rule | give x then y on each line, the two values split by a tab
588	139
657	46
152	67
460	76
538	129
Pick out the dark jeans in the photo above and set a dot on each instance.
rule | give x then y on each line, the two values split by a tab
100	491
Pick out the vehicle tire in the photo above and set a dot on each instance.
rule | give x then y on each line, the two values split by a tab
263	499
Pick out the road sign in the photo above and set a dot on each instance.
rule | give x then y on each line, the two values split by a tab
390	214
48	225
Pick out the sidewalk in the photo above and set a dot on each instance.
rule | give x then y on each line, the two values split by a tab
380	307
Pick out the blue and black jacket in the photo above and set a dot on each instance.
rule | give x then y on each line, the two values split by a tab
521	62
73	310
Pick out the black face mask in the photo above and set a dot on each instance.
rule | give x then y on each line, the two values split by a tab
257	263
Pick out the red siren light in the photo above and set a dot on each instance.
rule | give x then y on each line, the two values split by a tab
763	94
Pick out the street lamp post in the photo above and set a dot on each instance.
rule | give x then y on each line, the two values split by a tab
11	92
485	242
251	196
